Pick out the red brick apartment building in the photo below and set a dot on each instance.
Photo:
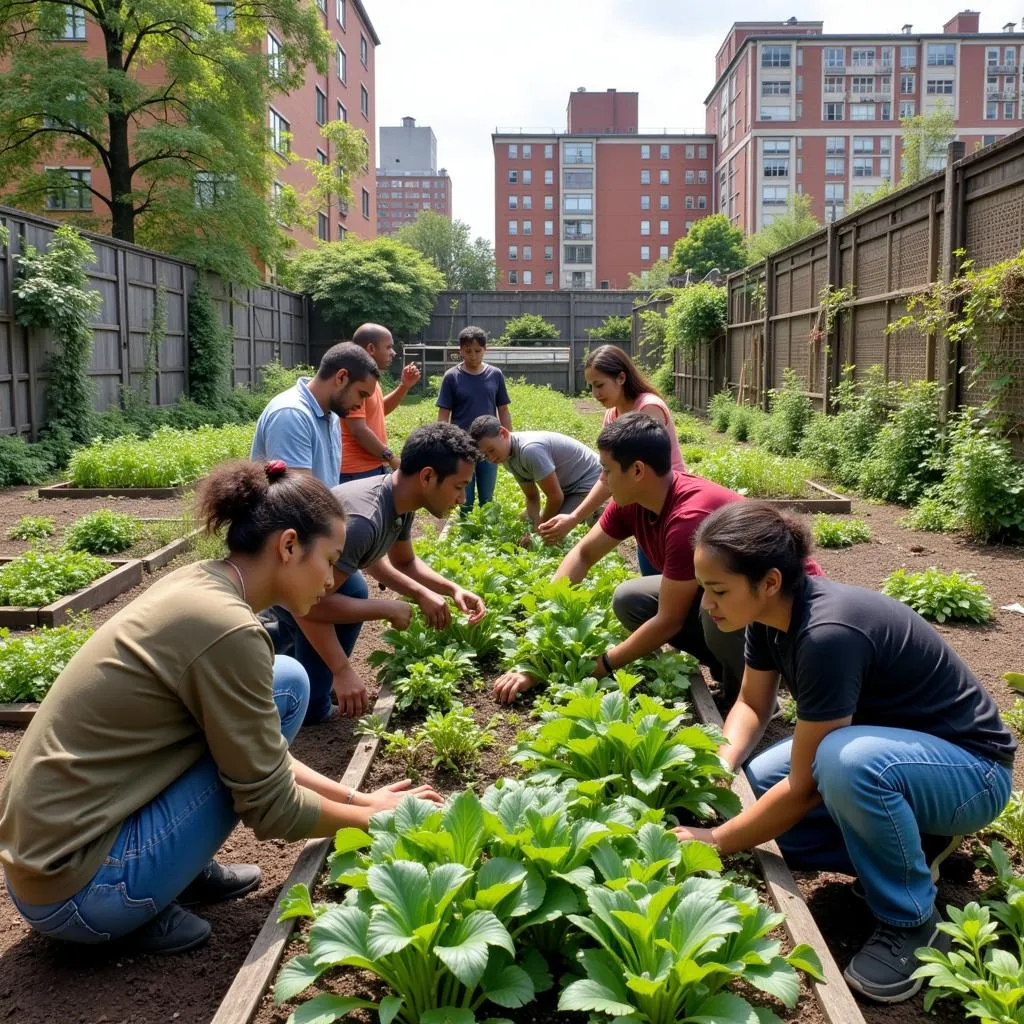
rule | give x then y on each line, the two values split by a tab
345	92
798	111
586	207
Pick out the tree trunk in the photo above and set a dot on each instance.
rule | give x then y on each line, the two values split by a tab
122	210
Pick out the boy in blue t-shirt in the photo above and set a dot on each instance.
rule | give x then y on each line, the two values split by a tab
474	388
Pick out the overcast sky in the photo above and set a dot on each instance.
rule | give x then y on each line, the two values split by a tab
465	67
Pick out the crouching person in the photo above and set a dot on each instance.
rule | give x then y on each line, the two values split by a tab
171	724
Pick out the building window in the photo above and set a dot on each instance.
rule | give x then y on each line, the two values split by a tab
341	12
513	151
663	178
702	177
549	151
690	205
908	83
663	252
702	152
988	140
774	195
513	177
366	204
527	151
74	28
549	251
862	84
323	228
549	177
279	131
833	112
835	193
941	55
775	87
662	227
549	202
662	202
863	144
364	51
689	177
71	189
549	277
664	152
907	108
579	254
861	58
835	57
645	152
527	176
549	227
645	177
513	227
274	58
862	111
578	203
527	202
863	167
527	277
835	167
776	56
224	15
645	254
513	252
321	157
527	252
645	227
939	87
776	167
321	106
342	63
578	153
645	202
513	202
775	112
513	277
577	179
341	232
527	227
991	110
702	202
364	102
835	144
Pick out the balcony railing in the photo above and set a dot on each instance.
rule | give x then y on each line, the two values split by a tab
1002	69
874	96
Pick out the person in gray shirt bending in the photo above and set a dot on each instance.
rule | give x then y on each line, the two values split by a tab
541	460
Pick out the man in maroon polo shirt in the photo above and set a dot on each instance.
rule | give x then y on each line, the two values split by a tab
662	508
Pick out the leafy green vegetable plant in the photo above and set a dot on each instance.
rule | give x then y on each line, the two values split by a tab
32	528
940	596
1010	823
720	410
39	577
836	532
433	682
103	532
756	472
31	661
455	737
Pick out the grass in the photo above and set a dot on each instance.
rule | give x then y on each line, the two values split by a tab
754	472
838	532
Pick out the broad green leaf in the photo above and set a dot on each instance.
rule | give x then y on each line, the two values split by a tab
404	886
537	968
348	839
498	878
296	903
434	846
340	937
325	1009
581	877
388	1009
804	958
559	900
724	1008
645	986
647	784
466	945
776	978
509	986
697	856
446	882
388	933
588	994
448	1015
464	819
296	975
1015	680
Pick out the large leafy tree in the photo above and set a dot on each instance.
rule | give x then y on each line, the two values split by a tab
355	281
711	242
796	223
466	265
173	108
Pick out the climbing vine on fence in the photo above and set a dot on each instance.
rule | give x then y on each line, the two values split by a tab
830	301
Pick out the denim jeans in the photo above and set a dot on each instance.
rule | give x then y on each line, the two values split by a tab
164	845
344	478
289	639
882	788
481	484
646	566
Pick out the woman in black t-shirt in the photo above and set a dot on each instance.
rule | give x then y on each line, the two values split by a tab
898	750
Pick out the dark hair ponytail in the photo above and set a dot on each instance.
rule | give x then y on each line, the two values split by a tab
751	537
611	361
256	499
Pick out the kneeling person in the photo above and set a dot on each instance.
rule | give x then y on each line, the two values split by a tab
541	460
437	463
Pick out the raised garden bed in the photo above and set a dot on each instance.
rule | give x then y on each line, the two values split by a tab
829	501
163	555
68	490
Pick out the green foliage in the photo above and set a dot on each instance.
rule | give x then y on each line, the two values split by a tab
944	597
275	378
900	464
23	463
466	265
788	228
932	515
791	410
31	661
434	681
332	181
836	532
861	200
711	243
720	410
1014	717
697	315
37	578
787	707
652	351
924	136
32	528
169	458
613	328
185	151
456	738
744	421
103	532
137	399
654	278
354	282
756	473
527	327
210	349
1010	825
51	291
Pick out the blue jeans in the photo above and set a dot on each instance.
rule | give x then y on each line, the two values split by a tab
289	639
164	845
344	478
646	567
482	483
882	788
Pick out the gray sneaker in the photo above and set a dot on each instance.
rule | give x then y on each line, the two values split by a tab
173	930
936	850
882	969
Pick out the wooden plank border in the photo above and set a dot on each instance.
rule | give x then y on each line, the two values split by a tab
837	504
835	998
242	999
67	490
159	558
17	714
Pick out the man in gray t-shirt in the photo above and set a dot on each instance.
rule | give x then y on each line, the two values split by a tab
561	467
437	462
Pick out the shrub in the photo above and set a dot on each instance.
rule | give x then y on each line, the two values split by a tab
528	327
31	661
1014	717
833	532
103	532
720	410
931	514
697	315
940	596
38	577
791	411
754	472
275	378
210	349
23	463
612	328
742	421
32	528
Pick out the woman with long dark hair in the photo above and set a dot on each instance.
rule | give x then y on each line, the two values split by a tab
898	750
171	723
617	384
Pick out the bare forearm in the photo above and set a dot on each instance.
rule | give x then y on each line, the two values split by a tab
393	400
533	510
504	417
598	495
743	729
324	639
339	609
775	812
419	572
574	566
646	638
335	815
367	439
552	506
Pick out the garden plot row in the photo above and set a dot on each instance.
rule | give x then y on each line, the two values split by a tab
517	861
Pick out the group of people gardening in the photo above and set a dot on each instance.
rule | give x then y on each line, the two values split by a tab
173	721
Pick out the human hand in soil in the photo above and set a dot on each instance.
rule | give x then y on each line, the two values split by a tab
399	614
470	604
410	374
509	685
351	692
702	835
388	797
556	528
435	610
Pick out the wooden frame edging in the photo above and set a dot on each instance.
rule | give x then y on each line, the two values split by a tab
159	558
242	999
17	714
66	490
837	504
835	998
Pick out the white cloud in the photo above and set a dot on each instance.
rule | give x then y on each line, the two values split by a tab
465	67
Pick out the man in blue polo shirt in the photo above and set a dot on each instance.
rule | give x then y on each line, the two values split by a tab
301	426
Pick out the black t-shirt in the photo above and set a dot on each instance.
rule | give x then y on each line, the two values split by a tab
852	651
